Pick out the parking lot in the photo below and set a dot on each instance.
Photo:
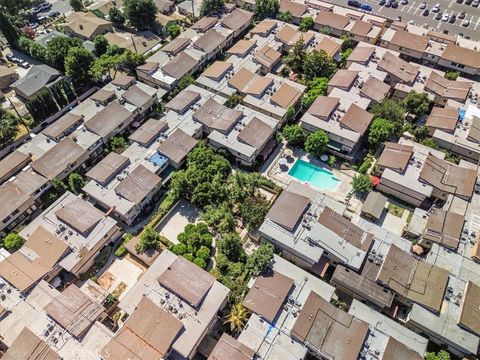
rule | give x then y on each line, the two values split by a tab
412	11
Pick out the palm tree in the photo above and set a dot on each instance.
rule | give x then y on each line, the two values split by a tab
237	318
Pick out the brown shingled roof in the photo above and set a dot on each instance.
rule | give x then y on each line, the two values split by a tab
256	133
375	89
205	23
361	28
395	350
137	184
176	45
286	96
40	253
187	281
330	19
177	146
399	68
209	41
74	310
343	78
329	329
11	162
288	209
267	295
449	89
444	227
241	78
295	8
230	348
409	40
80	215
267	56
237	19
28	346
443	118
323	107
108	167
448	177
395	156
356	119
148	131
242	47
470	310
329	46
258	86
218	69
264	27
183	101
148	334
217	116
461	55
66	122
179	66
361	54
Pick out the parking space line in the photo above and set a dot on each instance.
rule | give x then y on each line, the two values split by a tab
476	25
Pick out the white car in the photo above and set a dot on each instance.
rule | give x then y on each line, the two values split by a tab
411	22
445	17
436	8
423	5
466	22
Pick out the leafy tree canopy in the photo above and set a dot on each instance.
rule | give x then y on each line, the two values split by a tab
318	64
266	9
390	110
260	259
77	65
76	5
211	7
306	24
381	130
293	134
296	57
140	13
149	239
101	44
362	183
75	182
12	242
116	16
316	143
416	103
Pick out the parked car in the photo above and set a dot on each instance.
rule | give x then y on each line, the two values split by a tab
436	8
395	4
366	7
445	17
54	14
404	2
459	1
388	3
24	64
423	5
462	15
354	3
399	18
438	16
382	2
426	12
10	56
468	2
475	3
411	22
466	23
453	19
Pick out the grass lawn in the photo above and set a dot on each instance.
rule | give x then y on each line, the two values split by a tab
395	210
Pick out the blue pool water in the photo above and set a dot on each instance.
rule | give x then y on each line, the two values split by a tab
318	177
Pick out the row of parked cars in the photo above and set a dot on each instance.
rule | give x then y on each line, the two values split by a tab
474	3
22	63
359	5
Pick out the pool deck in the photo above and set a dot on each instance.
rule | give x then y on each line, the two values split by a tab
281	177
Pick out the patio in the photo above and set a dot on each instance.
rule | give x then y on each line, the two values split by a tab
174	223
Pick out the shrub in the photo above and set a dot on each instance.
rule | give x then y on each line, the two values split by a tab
12	242
362	183
316	143
200	263
120	251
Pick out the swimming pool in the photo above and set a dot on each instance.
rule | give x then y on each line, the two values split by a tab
318	177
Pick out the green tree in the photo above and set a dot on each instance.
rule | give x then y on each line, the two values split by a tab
252	211
101	44
118	144
75	182
344	56
293	134
12	7
149	239
416	103
381	130
318	64
266	9
316	143
77	65
285	16
76	5
105	65
390	110
57	50
173	30
116	16
58	185
237	318
296	57
306	24
362	183
347	42
211	7
452	75
316	87
8	128
219	218
230	245
441	355
260	260
233	100
201	263
8	29
140	13
12	242
290	114
129	61
421	133
430	143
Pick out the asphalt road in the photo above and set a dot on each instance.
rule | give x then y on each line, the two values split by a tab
412	11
